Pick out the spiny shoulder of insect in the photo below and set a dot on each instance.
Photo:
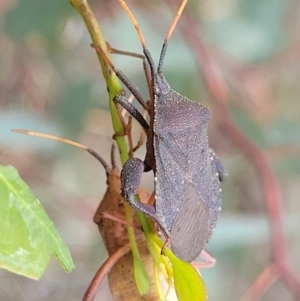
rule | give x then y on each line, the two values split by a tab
187	99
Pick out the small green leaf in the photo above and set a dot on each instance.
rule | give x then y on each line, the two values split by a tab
27	235
141	276
188	283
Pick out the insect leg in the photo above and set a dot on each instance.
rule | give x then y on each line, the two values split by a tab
133	149
123	78
66	141
113	157
130	180
219	166
166	244
126	104
120	219
141	138
131	109
136	55
127	126
209	260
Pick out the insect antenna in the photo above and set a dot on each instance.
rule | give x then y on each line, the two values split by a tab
140	35
66	141
169	33
142	39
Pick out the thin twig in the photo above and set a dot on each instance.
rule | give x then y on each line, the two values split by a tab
102	272
261	284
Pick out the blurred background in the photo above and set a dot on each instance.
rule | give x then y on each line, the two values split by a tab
50	81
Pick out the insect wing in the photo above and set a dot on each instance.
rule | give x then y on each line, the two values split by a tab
190	230
182	167
169	189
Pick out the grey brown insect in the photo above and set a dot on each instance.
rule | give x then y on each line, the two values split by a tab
187	173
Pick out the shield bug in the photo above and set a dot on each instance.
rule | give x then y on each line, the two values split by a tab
187	173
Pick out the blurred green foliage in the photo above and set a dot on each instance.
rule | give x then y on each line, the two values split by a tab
43	17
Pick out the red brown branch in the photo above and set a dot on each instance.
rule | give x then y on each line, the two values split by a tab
261	284
102	272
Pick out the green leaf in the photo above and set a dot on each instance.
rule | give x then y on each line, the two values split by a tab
141	276
27	235
188	283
